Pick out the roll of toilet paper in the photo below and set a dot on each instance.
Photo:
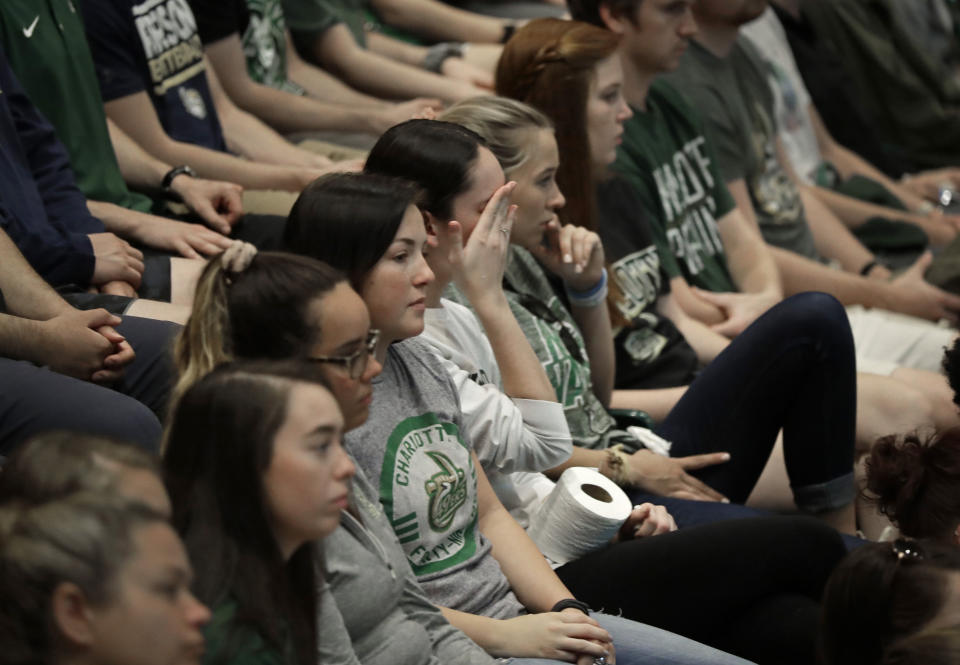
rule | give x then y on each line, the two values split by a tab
582	513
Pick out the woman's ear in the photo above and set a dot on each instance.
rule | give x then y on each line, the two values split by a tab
956	535
72	615
434	226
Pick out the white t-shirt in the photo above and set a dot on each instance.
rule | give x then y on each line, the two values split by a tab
513	438
791	99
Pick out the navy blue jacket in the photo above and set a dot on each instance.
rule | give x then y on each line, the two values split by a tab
40	206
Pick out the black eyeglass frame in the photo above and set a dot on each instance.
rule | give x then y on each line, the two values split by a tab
356	362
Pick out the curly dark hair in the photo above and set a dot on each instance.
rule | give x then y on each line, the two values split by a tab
951	366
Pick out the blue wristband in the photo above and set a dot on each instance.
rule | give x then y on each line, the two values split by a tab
592	297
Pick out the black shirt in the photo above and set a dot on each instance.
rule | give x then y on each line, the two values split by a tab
650	351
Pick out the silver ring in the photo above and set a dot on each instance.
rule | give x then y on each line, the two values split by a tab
505	230
602	660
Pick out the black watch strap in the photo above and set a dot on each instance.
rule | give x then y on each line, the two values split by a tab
167	181
571	602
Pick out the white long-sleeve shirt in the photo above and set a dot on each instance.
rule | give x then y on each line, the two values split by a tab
514	439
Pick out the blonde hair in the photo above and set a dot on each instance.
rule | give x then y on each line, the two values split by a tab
84	539
502	123
204	342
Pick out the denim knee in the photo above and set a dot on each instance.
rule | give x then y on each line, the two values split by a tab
819	314
822	497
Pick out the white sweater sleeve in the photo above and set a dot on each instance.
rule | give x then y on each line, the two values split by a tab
507	434
510	434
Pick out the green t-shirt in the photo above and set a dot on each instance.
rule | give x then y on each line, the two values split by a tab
737	102
308	19
246	647
45	43
674	172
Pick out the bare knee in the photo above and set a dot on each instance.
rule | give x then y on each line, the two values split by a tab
886	405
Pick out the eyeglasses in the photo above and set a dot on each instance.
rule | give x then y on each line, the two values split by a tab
356	362
906	549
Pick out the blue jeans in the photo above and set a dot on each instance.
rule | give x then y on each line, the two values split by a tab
793	369
640	644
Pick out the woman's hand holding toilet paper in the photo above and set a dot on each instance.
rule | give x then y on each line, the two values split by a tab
647	520
667	476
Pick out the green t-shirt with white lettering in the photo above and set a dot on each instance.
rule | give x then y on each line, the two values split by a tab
668	160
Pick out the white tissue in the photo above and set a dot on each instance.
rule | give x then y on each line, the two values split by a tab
572	522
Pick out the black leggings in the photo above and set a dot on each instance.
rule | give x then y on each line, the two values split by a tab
750	587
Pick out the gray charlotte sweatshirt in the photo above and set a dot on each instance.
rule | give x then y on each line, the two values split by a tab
414	451
372	611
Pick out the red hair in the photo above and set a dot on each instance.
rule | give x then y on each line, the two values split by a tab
550	64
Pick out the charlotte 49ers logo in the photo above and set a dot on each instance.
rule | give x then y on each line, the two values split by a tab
447	490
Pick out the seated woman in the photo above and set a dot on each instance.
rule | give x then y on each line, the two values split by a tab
256	476
886	594
93	578
415	431
915	482
716	419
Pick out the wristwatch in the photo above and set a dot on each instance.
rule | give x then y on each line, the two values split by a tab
167	181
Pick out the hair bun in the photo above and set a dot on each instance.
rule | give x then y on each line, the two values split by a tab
237	257
896	470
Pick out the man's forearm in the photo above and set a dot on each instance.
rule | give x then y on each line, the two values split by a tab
855	213
329	88
801	274
250	138
17	337
25	293
429	18
139	169
832	239
382	76
395	49
284	111
117	220
751	265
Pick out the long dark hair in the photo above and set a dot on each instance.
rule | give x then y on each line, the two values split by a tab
916	482
258	312
881	593
349	220
218	446
549	64
435	155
